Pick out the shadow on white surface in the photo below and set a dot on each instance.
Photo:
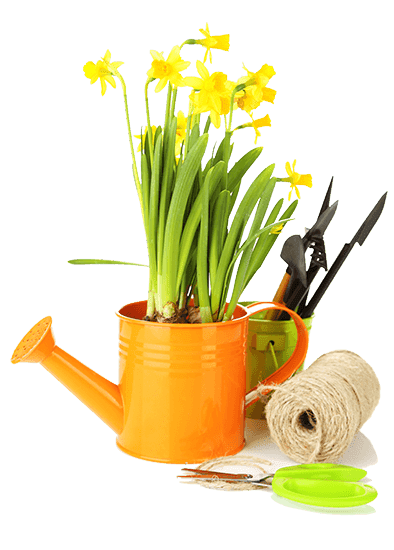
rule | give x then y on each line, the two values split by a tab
360	453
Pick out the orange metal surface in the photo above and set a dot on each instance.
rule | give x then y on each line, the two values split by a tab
96	392
181	396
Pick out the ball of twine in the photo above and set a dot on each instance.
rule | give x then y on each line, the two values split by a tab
314	416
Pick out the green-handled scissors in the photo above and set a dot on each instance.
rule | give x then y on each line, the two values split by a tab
329	485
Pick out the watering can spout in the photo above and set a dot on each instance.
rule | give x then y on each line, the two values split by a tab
100	395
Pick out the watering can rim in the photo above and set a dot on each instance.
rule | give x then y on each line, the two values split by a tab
247	310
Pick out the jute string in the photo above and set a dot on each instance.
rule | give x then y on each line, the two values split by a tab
244	460
314	416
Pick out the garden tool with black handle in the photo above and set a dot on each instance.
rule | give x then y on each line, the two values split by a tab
314	237
316	231
359	238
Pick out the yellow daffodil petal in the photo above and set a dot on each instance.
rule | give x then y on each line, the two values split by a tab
220	42
216	103
116	64
107	57
161	84
305	179
181	120
215	118
102	70
202	70
167	70
277	229
260	122
205	32
174	55
103	86
267	71
177	80
296	179
110	79
268	94
156	55
193	82
90	71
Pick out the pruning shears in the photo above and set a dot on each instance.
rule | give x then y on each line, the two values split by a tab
328	485
296	291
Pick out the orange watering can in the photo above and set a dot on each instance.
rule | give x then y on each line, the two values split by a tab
181	395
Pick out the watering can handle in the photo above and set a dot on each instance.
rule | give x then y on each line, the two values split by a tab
292	364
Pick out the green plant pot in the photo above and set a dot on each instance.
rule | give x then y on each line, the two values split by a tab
269	345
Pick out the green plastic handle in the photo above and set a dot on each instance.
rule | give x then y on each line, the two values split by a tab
328	493
322	471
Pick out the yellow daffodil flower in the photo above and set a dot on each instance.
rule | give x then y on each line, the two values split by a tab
167	71
253	95
256	124
180	132
260	123
277	229
102	70
296	179
213	95
249	99
144	137
262	77
221	42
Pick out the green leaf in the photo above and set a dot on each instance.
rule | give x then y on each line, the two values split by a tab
194	135
240	168
145	184
202	255
154	209
87	262
182	188
211	182
218	232
240	219
266	242
165	187
246	256
250	240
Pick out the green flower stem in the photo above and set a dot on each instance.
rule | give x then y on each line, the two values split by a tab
173	101
150	137
207	125
135	171
226	157
190	41
235	91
